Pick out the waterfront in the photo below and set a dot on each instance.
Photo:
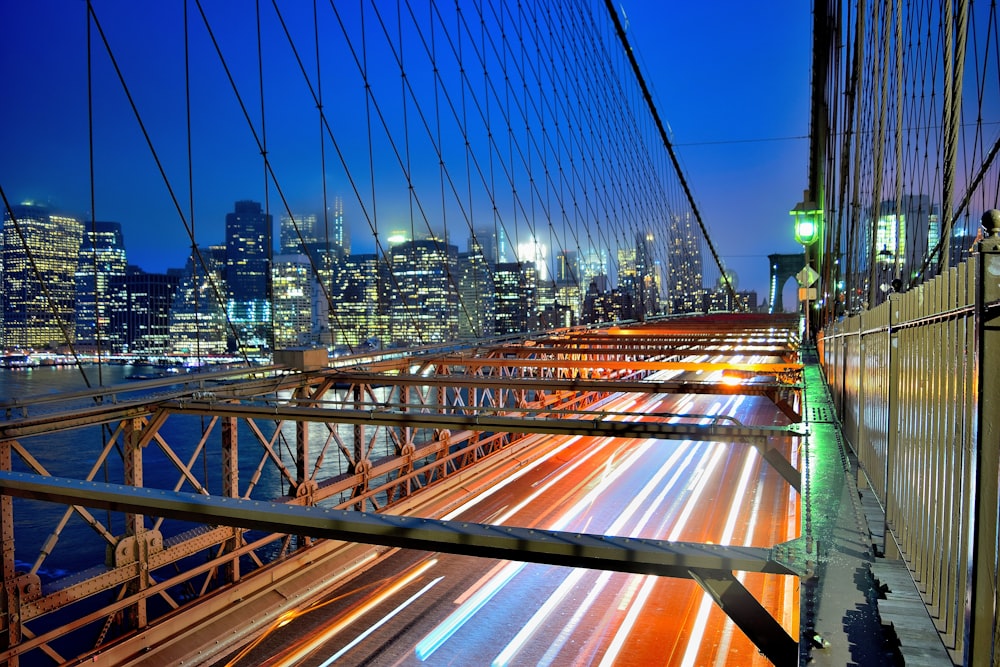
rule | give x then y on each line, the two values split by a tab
83	453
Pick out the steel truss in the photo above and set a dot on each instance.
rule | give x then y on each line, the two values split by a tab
368	437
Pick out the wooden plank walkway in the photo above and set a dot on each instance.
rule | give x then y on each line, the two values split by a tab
903	613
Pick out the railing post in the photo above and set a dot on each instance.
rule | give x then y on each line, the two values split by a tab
982	594
889	547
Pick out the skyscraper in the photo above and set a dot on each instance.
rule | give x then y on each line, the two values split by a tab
142	313
317	237
292	285
424	292
248	275
359	289
476	294
516	287
684	266
41	248
197	313
101	266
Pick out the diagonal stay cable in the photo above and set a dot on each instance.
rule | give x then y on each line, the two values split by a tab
670	149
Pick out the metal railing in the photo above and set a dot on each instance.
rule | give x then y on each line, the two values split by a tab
916	385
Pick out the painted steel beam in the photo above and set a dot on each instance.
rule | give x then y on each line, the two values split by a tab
748	614
596	427
600	552
613	364
581	384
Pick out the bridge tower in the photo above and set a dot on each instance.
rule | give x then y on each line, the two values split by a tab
783	267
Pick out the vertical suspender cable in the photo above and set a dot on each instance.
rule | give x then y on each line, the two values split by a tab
93	208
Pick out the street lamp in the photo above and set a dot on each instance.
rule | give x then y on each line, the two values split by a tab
808	220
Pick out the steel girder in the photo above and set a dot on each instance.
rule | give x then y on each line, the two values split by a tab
710	565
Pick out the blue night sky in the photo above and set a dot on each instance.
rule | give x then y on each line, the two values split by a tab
731	79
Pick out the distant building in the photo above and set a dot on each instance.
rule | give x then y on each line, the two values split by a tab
906	234
424	292
315	236
648	280
684	266
142	314
568	286
570	296
593	264
357	315
198	311
476	294
628	282
516	286
50	244
599	304
101	267
292	285
485	239
247	274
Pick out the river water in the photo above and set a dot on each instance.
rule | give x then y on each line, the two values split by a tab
76	453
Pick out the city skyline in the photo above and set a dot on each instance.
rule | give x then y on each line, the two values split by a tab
734	98
241	297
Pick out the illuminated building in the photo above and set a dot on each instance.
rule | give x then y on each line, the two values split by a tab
316	237
486	240
516	287
247	275
197	313
299	231
30	318
593	264
424	292
292	286
647	284
904	237
567	268
476	294
142	314
570	296
568	290
628	283
599	305
101	263
359	289
684	266
537	254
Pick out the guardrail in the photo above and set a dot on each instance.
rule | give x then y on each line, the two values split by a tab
917	385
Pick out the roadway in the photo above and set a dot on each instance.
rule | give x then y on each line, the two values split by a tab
416	608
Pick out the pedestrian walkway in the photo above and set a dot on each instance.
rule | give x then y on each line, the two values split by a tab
859	608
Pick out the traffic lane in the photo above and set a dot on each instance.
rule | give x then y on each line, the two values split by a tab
531	585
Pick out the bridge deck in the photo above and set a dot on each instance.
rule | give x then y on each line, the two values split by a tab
846	616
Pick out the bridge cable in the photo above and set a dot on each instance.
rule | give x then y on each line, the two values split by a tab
667	144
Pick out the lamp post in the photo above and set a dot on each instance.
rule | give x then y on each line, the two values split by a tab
808	221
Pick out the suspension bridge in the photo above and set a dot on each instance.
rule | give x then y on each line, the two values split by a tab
569	443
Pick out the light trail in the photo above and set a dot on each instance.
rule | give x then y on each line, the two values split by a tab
328	634
385	619
701	620
508	479
541	615
437	637
443	632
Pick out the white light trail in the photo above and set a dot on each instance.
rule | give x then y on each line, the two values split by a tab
332	631
520	472
443	632
539	617
385	619
626	627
